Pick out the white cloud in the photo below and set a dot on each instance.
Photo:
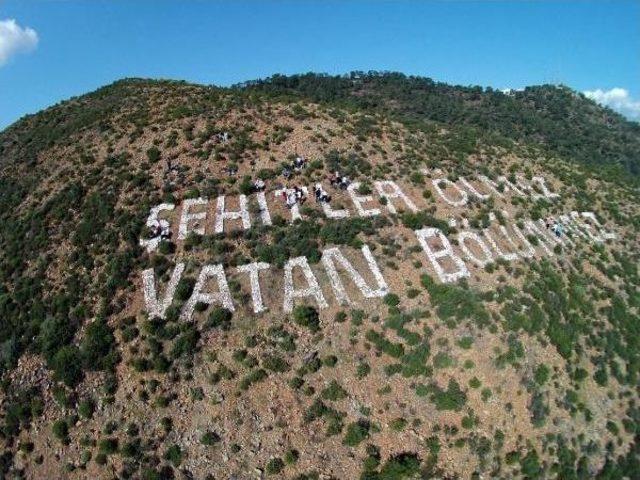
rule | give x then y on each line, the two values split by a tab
15	39
618	99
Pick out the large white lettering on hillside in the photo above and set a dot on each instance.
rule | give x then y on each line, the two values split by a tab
450	256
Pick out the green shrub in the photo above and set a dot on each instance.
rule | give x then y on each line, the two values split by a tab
67	365
453	398
362	370
174	455
291	456
356	433
60	430
275	363
86	408
391	299
334	392
308	317
398	424
541	374
210	438
108	446
184	288
274	466
220	318
153	154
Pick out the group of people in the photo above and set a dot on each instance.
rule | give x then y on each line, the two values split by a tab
222	137
321	195
160	228
298	164
296	195
554	226
293	196
259	185
340	181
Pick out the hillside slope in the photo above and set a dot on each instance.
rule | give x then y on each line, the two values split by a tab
467	307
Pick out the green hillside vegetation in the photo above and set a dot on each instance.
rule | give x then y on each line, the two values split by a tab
527	369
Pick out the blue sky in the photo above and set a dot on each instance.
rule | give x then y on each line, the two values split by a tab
54	49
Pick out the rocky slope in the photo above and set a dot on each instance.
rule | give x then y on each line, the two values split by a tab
466	308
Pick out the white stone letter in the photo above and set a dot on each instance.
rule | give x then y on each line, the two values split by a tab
445	252
312	290
466	235
394	192
256	295
264	208
331	256
602	233
155	307
186	217
358	200
222	215
464	198
223	296
152	222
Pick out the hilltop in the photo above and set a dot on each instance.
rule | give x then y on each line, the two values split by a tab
464	306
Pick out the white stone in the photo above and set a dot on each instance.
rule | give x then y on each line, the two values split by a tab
222	296
155	307
467	235
390	190
533	229
312	290
602	233
186	217
473	190
152	221
446	251
545	190
359	200
331	256
253	270
504	255
331	213
265	217
528	250
295	208
463	198
222	214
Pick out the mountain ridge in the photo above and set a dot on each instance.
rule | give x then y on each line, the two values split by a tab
163	314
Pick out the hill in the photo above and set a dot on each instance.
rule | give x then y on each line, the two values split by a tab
461	301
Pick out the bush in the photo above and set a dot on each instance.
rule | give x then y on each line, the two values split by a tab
453	398
60	430
186	343
86	408
174	455
541	375
210	438
400	467
275	363
97	347
362	370
108	446
308	317
274	466
291	456
398	424
184	288
391	300
220	318
356	433
67	365
153	154
334	392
